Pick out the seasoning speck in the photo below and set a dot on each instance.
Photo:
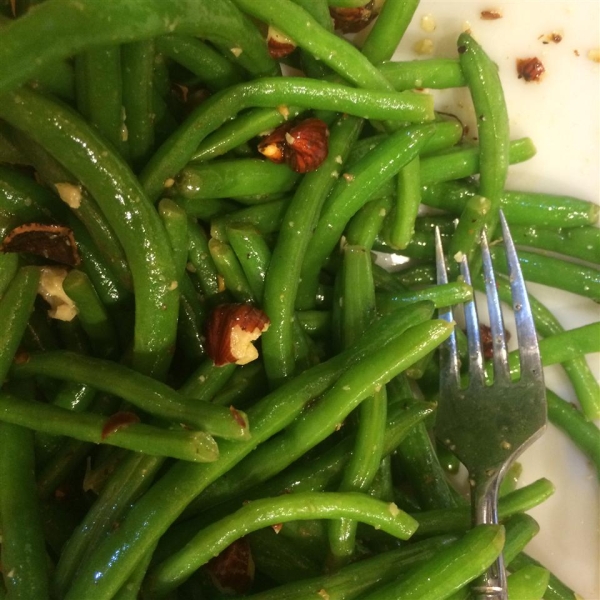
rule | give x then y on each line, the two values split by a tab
594	55
490	15
530	69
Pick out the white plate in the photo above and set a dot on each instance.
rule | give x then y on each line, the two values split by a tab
561	114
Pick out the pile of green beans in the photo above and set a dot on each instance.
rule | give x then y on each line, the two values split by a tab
128	468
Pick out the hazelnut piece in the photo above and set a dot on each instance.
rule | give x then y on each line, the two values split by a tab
230	332
303	146
352	20
232	571
279	45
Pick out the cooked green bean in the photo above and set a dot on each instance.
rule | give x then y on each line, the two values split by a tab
199	256
271	511
230	271
24	562
408	199
142	391
434	73
448	294
528	583
196	446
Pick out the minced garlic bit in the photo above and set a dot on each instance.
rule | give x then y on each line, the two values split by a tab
594	55
284	111
424	46
69	193
169	182
394	510
323	594
50	288
458	257
428	23
173	286
236	51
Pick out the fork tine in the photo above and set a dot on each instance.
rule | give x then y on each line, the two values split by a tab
501	370
450	375
531	364
476	371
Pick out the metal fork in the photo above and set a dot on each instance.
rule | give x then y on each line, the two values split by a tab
488	424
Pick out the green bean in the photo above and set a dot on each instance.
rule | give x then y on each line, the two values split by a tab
387	281
181	484
230	271
206	209
207	380
233	178
520	208
283	277
579	242
132	477
196	446
450	569
137	62
242	129
434	73
528	583
358	310
61	29
92	315
323	419
24	563
212	68
584	434
107	178
435	522
201	260
270	93
9	265
350	194
511	479
389	28
571	277
246	385
350	581
131	588
270	511
16	306
585	384
364	227
253	254
556	589
191	323
148	394
175	221
448	294
102	102
408	199
279	558
473	219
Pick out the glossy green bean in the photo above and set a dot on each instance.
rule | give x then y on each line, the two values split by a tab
212	68
207	209
528	583
148	394
270	93
175	221
131	588
448	294
246	386
434	73
270	511
353	192
207	380
284	274
9	265
578	242
132	477
452	568
160	506
199	256
24	563
253	254
465	240
137	64
408	199
568	276
233	178
72	141
389	28
16	307
195	446
520	208
556	589
366	224
92	314
230	271
98	24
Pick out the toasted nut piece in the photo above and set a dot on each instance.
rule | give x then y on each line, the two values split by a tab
530	69
273	146
232	571
50	288
279	45
117	421
307	145
230	332
352	20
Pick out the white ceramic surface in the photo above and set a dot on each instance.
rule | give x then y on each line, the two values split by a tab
561	114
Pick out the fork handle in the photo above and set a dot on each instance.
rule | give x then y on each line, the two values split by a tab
484	501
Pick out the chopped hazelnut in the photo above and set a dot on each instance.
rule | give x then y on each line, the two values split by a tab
230	332
530	69
232	571
352	20
279	45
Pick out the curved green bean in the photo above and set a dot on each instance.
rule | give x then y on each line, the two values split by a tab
434	73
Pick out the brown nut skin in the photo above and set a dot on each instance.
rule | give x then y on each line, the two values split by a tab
307	145
530	69
352	20
232	571
230	331
279	45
